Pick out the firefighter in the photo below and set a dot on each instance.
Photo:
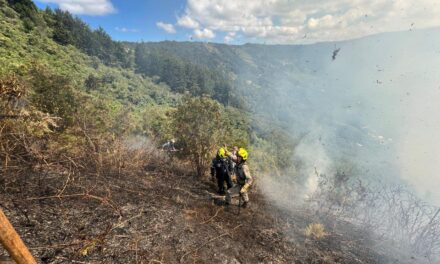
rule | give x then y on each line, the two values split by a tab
220	169
244	179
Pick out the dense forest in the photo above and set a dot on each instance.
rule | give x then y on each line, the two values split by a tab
184	76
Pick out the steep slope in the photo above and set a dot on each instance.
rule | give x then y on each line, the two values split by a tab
20	49
98	200
166	215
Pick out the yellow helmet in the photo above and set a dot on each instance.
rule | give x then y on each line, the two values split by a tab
222	153
242	153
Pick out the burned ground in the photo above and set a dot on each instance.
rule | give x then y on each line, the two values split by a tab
166	216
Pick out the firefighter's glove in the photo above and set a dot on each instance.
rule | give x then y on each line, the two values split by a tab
245	188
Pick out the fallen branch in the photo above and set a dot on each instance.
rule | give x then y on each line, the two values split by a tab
55	196
206	243
86	195
214	216
121	224
65	186
60	245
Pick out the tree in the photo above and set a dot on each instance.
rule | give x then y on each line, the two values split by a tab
198	124
53	94
28	13
182	75
92	82
62	27
71	30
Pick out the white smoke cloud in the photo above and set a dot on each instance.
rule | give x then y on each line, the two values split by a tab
84	7
288	191
204	33
285	21
376	107
169	28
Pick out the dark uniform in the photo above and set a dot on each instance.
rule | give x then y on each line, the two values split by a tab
221	169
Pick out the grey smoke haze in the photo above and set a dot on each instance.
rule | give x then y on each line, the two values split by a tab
397	83
377	105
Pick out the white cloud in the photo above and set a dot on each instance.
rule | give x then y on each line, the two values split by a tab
187	22
126	30
286	21
229	37
84	7
169	28
205	33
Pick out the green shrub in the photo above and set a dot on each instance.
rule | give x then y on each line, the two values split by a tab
202	125
53	94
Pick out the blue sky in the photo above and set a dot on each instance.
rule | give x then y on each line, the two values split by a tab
258	21
135	20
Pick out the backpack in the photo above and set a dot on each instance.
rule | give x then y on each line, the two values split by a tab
221	164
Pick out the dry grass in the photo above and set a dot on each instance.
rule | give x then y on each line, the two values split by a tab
316	231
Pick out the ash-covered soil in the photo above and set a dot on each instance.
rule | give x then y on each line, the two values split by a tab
166	216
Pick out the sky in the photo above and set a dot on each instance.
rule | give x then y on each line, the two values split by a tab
256	21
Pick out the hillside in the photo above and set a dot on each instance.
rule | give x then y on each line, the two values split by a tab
84	179
21	48
167	216
370	91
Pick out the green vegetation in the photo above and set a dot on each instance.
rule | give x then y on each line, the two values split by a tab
28	13
202	125
71	30
183	76
75	103
84	92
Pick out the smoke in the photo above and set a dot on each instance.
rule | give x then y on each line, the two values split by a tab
139	143
401	108
375	105
312	159
293	189
372	112
420	145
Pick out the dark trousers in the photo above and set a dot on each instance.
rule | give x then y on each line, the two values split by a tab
221	179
